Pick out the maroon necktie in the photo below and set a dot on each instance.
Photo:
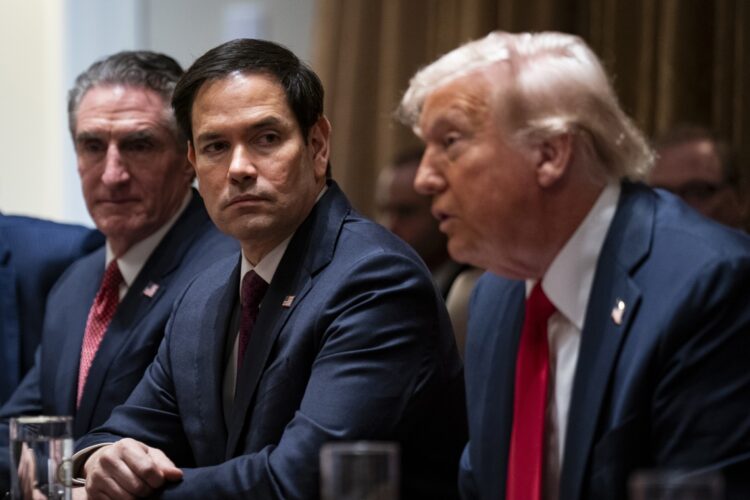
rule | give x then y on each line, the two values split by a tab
526	457
100	315
253	289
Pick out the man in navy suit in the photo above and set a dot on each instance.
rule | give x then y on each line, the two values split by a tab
33	254
350	341
136	182
611	334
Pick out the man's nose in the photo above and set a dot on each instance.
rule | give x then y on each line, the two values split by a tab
115	170
429	179
242	166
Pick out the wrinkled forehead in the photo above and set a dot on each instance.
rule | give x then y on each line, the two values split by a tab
472	97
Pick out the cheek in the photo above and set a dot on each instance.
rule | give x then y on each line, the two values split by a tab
89	182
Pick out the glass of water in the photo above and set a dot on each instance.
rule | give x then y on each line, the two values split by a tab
359	470
41	449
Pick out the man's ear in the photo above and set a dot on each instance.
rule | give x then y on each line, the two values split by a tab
319	138
553	158
191	153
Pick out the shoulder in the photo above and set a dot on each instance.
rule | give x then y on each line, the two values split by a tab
491	289
213	275
361	235
368	255
38	236
677	227
687	244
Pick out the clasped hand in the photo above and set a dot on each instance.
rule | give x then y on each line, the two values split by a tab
127	469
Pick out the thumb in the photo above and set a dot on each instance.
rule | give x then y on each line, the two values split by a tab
170	471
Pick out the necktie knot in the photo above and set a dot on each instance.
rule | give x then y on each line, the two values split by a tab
112	279
252	292
538	305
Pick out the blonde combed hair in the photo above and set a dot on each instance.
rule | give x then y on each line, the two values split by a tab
557	85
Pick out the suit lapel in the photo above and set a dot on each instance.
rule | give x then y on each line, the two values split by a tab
66	379
498	389
312	244
144	294
208	378
613	304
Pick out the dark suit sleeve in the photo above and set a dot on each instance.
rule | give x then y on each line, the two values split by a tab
26	400
701	402
374	367
466	482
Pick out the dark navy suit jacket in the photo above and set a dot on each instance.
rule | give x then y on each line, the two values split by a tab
33	254
352	342
133	336
668	387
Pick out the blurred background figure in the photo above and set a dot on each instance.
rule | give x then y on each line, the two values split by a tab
408	215
698	167
33	253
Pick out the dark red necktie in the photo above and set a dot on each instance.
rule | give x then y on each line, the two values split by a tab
526	457
253	289
100	315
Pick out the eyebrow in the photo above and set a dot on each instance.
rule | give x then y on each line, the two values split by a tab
138	135
132	136
269	121
87	136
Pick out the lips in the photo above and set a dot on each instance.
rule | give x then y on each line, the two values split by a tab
440	215
245	199
122	201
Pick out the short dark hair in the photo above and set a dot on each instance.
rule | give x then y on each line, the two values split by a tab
408	157
303	89
684	133
139	68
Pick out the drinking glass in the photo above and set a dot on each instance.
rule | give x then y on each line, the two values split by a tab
676	485
41	448
360	470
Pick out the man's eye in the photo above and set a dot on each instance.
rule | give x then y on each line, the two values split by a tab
214	147
138	146
268	138
92	146
450	139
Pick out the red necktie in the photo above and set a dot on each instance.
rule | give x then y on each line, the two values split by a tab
526	457
253	289
100	315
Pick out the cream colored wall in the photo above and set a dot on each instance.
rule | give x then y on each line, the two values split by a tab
32	107
44	44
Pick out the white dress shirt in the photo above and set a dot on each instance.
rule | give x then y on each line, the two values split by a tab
132	261
567	284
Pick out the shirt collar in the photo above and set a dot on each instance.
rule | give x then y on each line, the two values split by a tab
132	261
267	266
569	278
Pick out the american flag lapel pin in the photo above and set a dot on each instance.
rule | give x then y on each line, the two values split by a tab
288	301
151	289
618	311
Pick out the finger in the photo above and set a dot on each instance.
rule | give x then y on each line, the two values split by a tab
140	462
114	474
170	471
79	493
106	488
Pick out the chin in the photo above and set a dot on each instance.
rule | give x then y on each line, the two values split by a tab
460	252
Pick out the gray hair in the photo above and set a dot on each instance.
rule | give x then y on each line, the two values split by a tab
557	85
141	68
